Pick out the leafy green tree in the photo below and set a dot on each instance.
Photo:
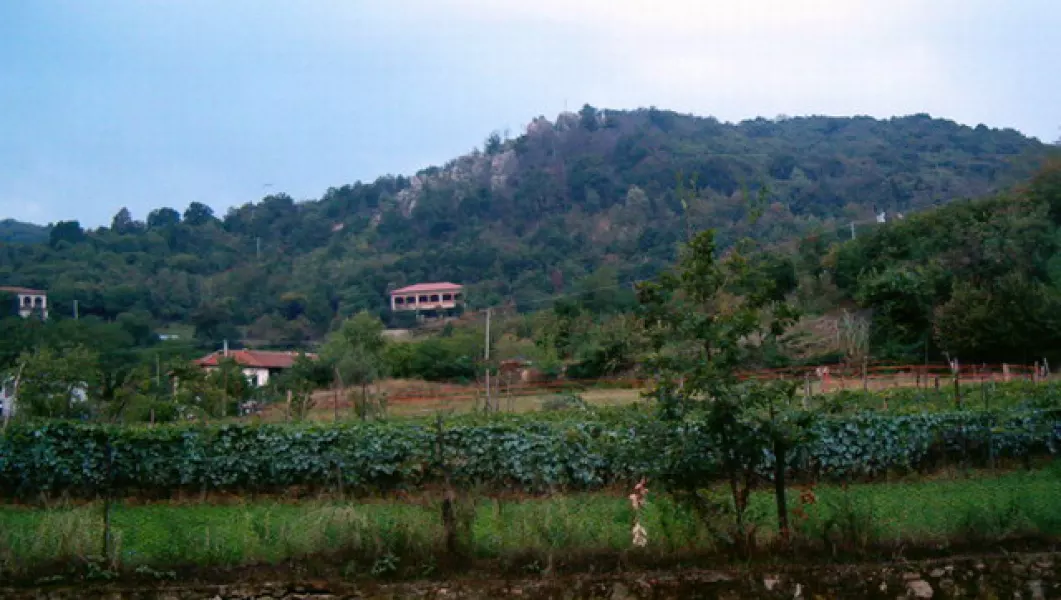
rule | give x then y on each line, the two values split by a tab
162	218
706	319
355	351
55	384
66	231
1009	319
198	214
230	388
305	377
123	223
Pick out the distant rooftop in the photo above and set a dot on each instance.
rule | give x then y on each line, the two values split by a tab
261	359
428	287
21	290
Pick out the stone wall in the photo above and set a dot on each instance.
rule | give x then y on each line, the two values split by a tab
1024	576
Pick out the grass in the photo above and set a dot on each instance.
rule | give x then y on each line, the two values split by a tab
384	537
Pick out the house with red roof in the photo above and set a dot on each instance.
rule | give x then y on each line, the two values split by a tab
258	365
431	297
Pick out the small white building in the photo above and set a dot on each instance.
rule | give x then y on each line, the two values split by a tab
427	297
28	301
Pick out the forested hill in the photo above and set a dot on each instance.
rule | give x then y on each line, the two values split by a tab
22	233
520	219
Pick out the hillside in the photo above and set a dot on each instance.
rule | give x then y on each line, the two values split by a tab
519	220
17	232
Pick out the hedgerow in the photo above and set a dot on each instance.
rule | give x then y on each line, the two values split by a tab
533	453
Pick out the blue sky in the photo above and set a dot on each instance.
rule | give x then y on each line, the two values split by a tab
148	103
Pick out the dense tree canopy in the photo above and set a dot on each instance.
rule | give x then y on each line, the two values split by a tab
569	204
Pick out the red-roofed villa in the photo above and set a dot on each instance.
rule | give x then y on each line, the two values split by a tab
258	365
427	297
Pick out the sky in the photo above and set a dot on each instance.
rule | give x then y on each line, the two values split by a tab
107	104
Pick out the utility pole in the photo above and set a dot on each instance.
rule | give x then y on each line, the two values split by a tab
852	230
488	403
75	310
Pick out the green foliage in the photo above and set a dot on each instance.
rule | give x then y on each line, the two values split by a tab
16	232
355	352
301	380
56	385
588	193
555	450
972	279
448	358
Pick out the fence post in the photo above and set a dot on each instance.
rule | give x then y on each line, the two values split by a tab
449	516
957	389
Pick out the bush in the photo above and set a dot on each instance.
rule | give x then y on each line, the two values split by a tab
546	451
565	402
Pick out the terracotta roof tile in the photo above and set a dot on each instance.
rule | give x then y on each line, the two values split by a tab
444	286
261	359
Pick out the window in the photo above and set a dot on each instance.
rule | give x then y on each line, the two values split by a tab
434	297
410	299
447	297
399	300
26	301
422	299
38	301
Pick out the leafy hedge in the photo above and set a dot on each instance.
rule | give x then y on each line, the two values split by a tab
534	453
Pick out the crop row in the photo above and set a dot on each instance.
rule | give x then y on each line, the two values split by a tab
578	451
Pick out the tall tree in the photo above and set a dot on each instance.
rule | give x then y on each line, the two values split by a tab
161	218
355	351
198	214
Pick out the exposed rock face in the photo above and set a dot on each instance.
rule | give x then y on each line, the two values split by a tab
1014	576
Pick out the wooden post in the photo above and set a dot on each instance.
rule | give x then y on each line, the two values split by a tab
107	502
1005	372
287	417
487	357
335	394
957	390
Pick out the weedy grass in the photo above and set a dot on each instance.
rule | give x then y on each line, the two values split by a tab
380	538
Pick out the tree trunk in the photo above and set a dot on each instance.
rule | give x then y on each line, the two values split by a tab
364	401
779	490
335	395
